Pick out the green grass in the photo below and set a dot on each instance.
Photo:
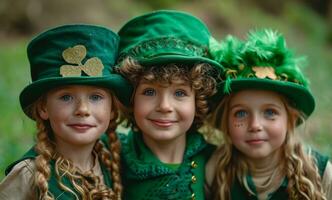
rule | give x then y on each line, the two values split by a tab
16	130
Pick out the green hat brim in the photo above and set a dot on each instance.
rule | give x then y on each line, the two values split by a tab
299	96
116	83
174	58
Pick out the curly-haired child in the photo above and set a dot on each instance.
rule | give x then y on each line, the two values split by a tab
165	56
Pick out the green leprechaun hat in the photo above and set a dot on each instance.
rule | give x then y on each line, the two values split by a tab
166	36
73	54
262	62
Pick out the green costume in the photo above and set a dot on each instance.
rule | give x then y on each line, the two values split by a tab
238	191
263	62
155	40
70	55
54	186
146	177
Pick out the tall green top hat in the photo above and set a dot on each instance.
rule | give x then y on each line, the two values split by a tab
73	54
165	36
263	62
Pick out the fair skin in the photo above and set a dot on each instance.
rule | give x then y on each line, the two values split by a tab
258	125
78	116
164	114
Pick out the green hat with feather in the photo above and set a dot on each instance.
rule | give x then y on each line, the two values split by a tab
262	62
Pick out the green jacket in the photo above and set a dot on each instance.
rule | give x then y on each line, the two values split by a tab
240	192
54	187
145	177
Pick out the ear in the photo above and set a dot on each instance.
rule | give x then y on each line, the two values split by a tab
42	111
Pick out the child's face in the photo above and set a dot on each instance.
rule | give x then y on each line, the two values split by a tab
257	122
164	114
78	114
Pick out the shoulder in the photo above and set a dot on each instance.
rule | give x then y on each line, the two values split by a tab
327	180
18	184
321	161
211	165
31	154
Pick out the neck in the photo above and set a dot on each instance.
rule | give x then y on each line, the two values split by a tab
264	166
168	151
82	156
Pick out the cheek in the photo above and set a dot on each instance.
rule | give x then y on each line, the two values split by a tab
278	133
236	129
140	109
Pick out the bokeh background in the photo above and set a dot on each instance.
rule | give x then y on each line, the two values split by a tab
306	24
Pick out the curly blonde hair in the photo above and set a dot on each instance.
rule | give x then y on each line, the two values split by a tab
304	181
199	76
87	185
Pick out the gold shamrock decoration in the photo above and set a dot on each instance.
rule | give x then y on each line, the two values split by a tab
75	55
263	72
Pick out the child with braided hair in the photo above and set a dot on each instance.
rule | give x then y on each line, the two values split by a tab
262	101
74	98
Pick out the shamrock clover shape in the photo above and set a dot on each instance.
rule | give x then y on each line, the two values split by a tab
74	55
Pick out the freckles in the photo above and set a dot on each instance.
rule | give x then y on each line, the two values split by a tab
238	124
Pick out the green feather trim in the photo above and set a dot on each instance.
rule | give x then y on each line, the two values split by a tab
227	86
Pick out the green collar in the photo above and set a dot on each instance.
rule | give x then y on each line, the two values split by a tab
252	186
140	163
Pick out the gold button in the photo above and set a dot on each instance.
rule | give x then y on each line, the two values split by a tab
193	196
193	164
193	179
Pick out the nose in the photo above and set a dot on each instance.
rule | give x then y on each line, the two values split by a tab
82	108
164	104
255	124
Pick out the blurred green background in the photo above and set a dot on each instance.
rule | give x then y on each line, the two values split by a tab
306	24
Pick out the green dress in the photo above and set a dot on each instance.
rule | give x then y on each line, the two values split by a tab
53	184
145	177
238	191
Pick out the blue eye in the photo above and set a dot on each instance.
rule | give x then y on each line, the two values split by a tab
149	92
270	113
180	93
66	98
95	97
240	114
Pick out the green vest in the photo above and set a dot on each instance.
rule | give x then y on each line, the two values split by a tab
53	185
145	177
240	192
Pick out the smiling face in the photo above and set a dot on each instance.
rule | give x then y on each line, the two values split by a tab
164	113
257	122
78	114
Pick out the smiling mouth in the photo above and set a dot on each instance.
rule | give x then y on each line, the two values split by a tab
163	123
80	127
255	141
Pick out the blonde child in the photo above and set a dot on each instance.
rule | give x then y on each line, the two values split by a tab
263	99
165	56
73	99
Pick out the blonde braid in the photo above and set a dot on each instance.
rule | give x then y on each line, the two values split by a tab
45	150
115	151
111	158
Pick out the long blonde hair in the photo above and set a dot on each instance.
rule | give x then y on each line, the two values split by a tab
304	181
88	185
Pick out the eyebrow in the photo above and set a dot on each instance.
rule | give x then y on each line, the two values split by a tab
264	105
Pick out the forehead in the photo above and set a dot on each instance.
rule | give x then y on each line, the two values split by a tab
175	82
251	97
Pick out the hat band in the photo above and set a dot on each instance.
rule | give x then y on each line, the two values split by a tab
165	46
